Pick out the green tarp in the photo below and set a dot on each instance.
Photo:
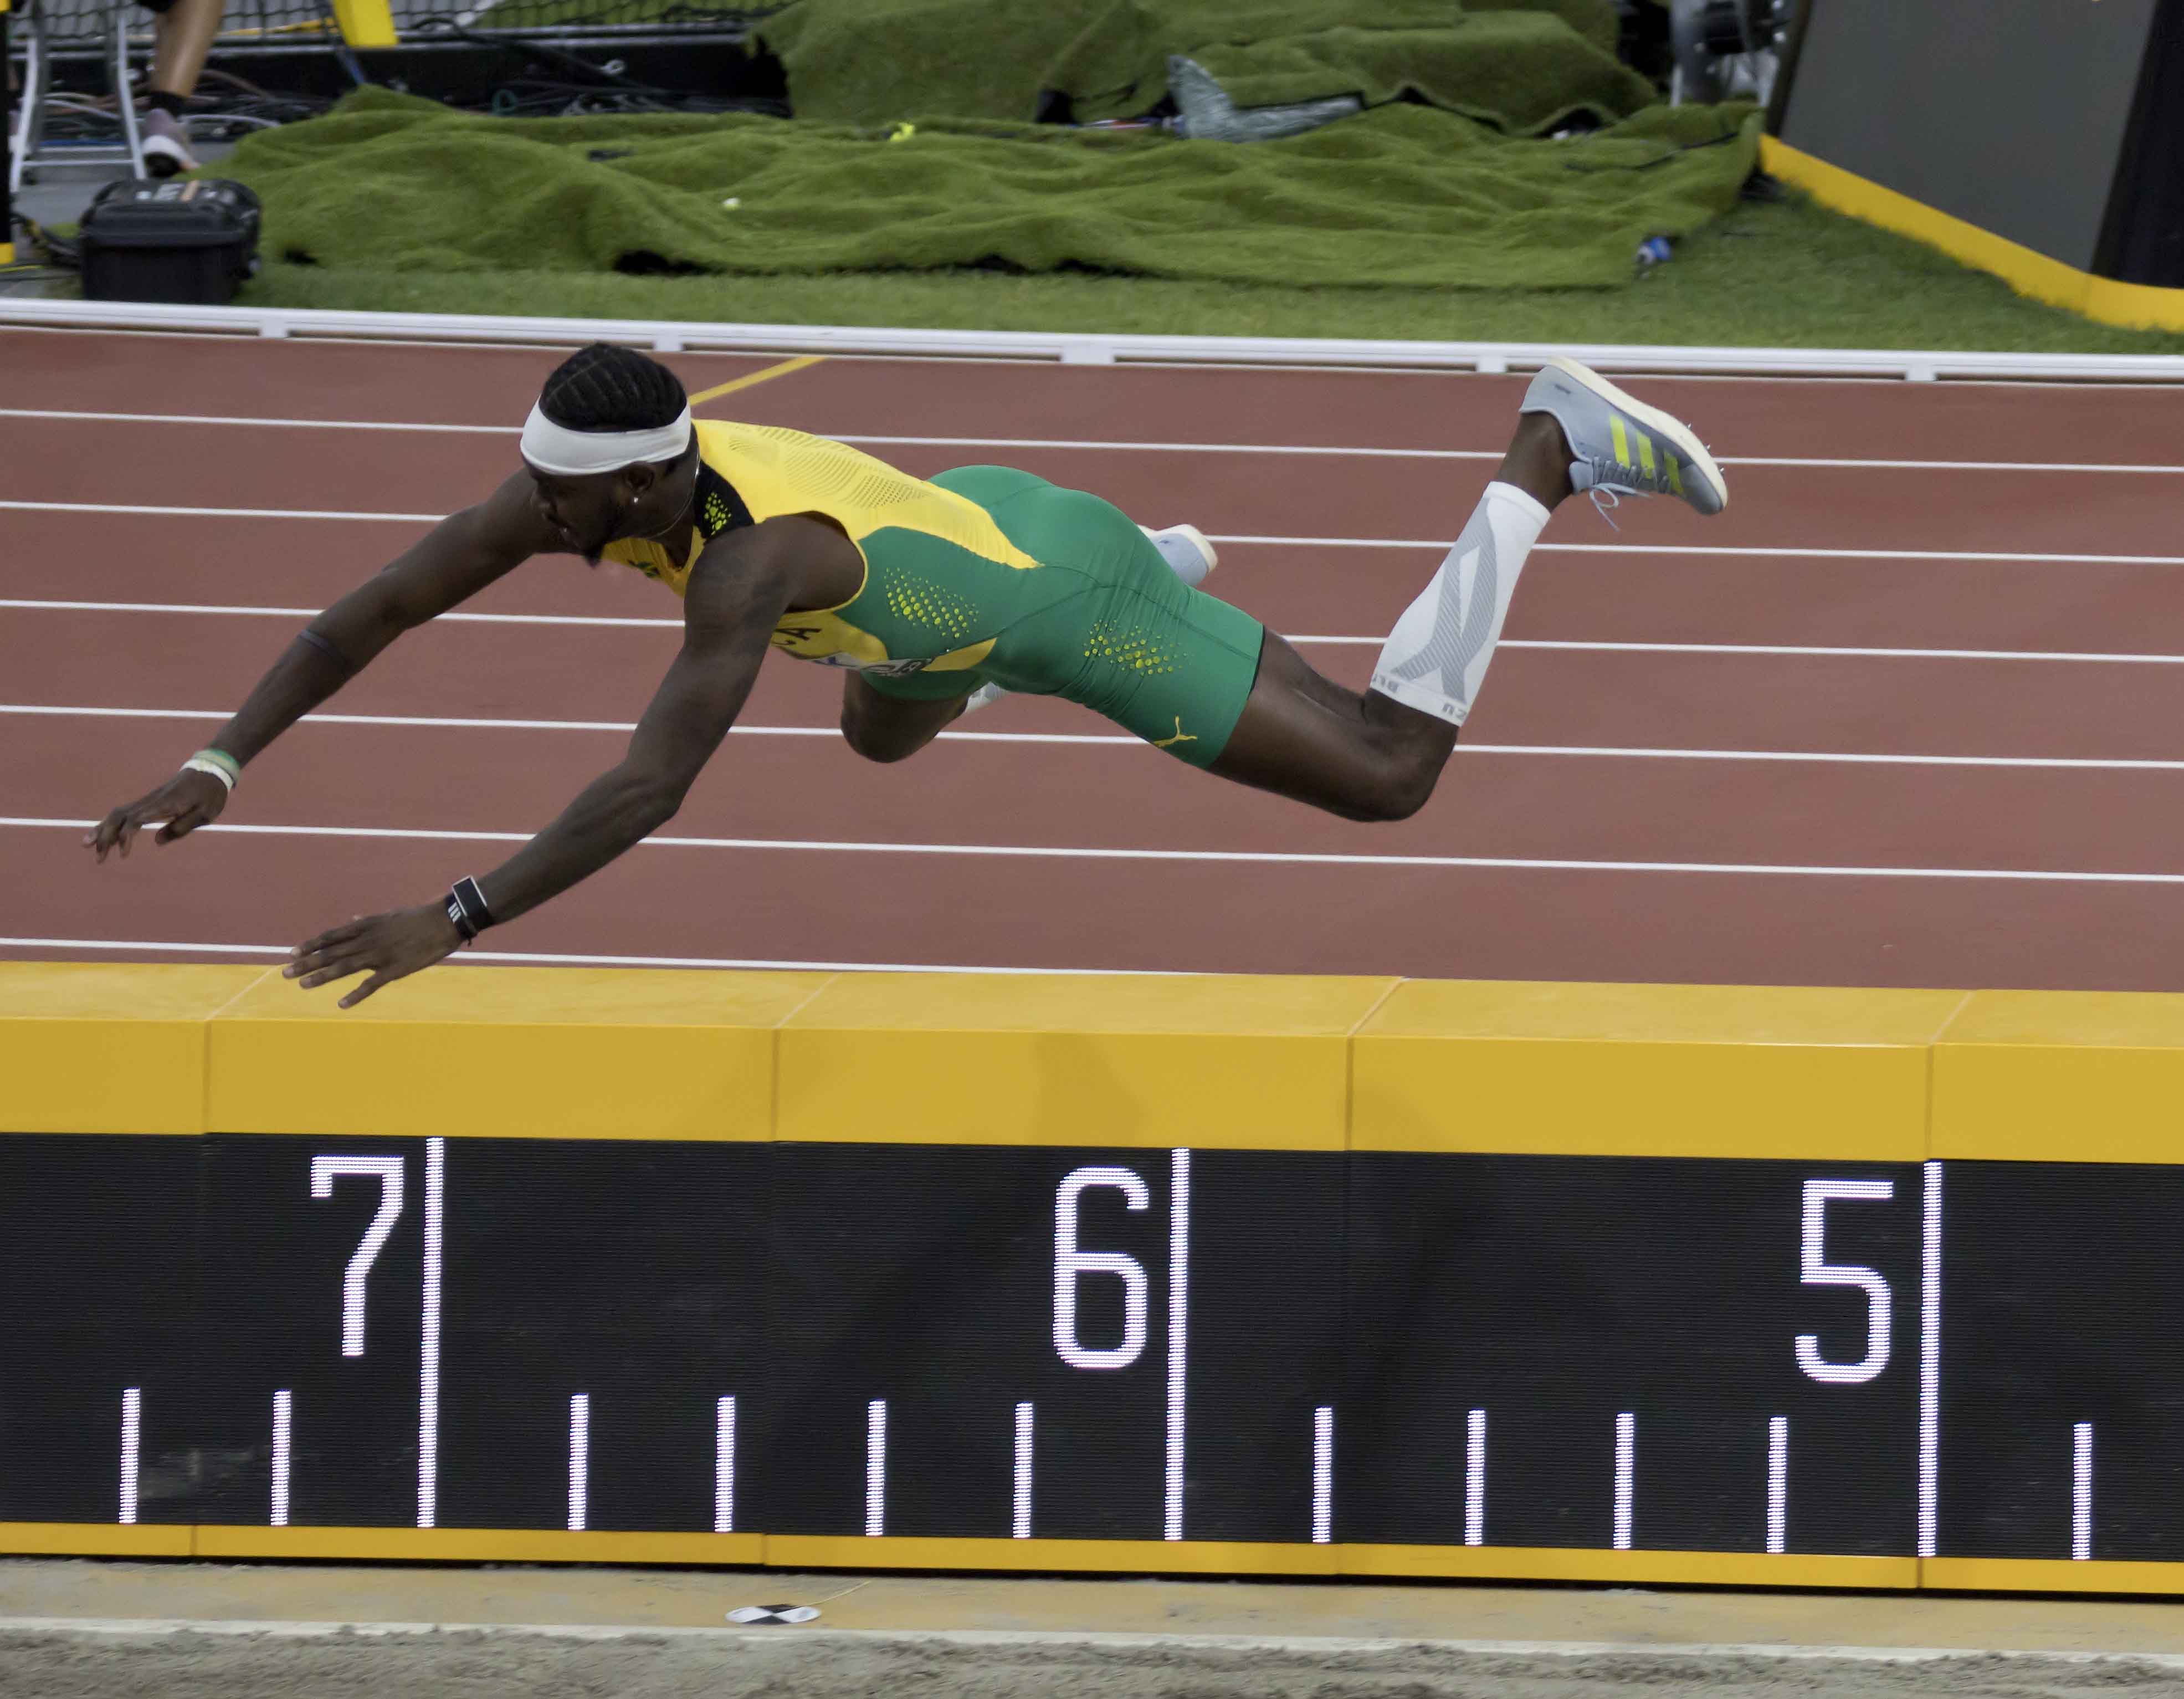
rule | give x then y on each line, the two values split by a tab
1522	64
1401	194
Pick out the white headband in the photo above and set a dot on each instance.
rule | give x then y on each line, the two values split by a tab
569	453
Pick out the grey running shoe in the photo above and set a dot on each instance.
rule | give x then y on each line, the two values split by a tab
1621	446
165	144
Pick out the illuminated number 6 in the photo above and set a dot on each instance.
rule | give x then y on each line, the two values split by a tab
1071	1265
388	1171
1818	1271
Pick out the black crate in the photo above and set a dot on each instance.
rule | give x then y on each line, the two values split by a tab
190	242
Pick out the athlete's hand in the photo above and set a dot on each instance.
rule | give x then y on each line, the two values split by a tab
389	947
187	801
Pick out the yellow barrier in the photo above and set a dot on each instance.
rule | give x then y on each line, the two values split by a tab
1276	1064
2135	306
366	23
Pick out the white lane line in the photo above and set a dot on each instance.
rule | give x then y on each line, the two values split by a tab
215	512
1800	462
1089	444
1304	1645
1690	550
1575	645
1818	651
1607	752
449	722
251	610
1269	858
80	416
560	959
1230	537
1611	752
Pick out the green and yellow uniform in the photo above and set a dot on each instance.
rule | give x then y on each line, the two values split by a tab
980	574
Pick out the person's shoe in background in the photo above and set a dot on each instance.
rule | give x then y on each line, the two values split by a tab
166	143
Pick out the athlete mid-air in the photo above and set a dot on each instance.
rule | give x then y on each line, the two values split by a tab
931	595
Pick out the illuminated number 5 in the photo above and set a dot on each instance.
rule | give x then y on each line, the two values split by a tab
1071	1265
388	1171
1818	1271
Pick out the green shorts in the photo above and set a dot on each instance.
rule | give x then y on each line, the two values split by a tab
1109	627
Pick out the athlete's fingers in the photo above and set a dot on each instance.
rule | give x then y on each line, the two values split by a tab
342	950
185	821
103	836
132	823
322	962
337	963
384	976
334	936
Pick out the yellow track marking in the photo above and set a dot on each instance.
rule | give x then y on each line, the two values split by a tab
750	378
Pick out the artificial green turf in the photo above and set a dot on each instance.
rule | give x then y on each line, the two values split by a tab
1522	64
1401	194
1790	275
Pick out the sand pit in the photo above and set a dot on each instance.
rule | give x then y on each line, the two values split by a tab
294	1661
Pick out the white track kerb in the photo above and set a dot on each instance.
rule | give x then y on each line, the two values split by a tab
1089	347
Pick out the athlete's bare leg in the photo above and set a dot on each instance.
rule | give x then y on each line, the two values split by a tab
1365	756
1377	755
888	728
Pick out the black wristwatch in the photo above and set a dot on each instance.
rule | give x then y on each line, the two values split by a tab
466	909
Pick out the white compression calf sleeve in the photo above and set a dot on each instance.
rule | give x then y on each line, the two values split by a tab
1435	659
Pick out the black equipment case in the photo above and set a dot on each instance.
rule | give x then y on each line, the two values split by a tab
188	243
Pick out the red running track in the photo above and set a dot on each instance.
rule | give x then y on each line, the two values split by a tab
1905	715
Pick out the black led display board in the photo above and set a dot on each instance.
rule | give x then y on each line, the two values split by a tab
988	1342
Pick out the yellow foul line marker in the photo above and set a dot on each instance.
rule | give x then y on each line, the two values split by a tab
750	378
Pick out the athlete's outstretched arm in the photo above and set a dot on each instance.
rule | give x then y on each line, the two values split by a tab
452	562
738	591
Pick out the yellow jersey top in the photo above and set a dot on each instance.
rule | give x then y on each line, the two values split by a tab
930	600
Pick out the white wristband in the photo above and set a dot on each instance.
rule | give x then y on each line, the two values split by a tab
198	764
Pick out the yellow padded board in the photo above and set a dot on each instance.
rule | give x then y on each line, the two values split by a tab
93	1047
509	1052
96	1538
2049	1575
229	1541
1679	1569
1138	1557
1007	1059
1647	1070
2062	1077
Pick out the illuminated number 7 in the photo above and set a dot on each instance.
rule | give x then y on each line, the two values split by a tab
387	1170
1816	1271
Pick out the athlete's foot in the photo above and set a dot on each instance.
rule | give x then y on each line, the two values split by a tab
1538	462
1189	555
1618	446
